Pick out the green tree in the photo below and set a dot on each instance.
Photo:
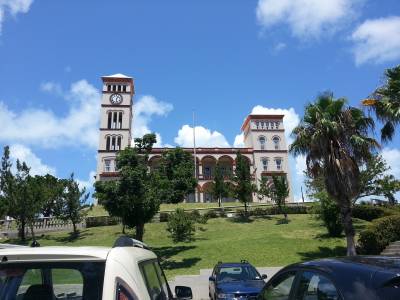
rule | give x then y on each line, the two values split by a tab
51	189
385	102
176	175
277	190
72	204
335	140
220	188
243	187
374	180
135	196
17	194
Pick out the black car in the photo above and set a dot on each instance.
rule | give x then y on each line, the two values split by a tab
235	281
355	278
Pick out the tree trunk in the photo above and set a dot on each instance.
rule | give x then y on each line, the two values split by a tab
140	231
348	229
245	208
219	201
74	228
21	232
123	228
32	233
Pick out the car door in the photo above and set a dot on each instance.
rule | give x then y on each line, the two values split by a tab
280	287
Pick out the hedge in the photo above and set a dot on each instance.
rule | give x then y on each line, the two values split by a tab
274	210
379	234
368	212
101	221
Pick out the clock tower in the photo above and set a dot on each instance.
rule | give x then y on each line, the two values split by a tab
115	122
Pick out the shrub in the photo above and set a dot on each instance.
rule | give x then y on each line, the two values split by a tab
197	217
211	214
164	216
368	212
379	234
102	221
181	226
329	213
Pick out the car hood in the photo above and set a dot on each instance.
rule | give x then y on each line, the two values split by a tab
253	286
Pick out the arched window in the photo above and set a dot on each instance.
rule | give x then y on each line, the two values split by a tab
114	120
108	143
276	141
278	162
262	140
264	161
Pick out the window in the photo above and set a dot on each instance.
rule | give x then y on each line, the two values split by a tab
276	125
278	162
107	165
114	122
124	88
119	88
109	87
276	141
265	164
119	120
123	293
280	288
155	280
257	124
118	147
315	286
114	88
52	280
113	142
262	142
109	120
108	143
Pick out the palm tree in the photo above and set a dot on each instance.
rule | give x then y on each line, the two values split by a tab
385	102
335	140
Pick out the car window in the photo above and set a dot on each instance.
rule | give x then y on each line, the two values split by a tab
67	283
52	280
314	286
154	279
279	288
237	273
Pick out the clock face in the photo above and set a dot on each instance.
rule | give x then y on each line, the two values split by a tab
115	98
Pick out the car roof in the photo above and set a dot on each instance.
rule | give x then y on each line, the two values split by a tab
233	264
372	263
54	253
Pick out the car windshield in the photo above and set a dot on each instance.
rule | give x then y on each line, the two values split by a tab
237	273
51	280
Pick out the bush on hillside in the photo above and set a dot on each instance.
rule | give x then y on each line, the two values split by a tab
379	234
368	212
198	217
101	221
328	212
181	226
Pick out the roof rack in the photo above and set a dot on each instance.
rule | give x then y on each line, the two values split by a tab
243	261
126	241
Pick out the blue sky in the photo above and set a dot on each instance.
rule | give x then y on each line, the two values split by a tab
223	59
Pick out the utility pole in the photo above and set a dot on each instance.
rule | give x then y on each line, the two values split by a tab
194	156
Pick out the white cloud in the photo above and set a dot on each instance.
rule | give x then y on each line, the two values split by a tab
290	120
204	137
306	18
143	111
51	87
87	184
25	154
45	128
13	7
239	141
392	157
377	40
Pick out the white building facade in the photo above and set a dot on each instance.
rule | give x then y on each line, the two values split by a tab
264	141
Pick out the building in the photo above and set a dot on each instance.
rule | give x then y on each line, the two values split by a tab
264	140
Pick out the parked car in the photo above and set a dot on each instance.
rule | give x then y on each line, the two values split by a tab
235	281
128	271
355	278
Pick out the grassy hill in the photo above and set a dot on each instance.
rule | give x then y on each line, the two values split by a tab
263	242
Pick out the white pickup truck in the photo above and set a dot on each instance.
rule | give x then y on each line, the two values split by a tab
127	271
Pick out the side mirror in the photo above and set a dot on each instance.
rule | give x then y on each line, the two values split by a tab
183	292
211	278
263	276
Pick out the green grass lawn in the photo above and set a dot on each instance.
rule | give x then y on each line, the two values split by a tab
263	242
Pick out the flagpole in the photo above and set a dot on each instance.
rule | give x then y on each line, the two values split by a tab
194	155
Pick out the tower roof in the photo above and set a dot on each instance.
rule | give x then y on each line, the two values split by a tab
118	75
260	117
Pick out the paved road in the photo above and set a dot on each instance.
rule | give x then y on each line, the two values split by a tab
199	283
